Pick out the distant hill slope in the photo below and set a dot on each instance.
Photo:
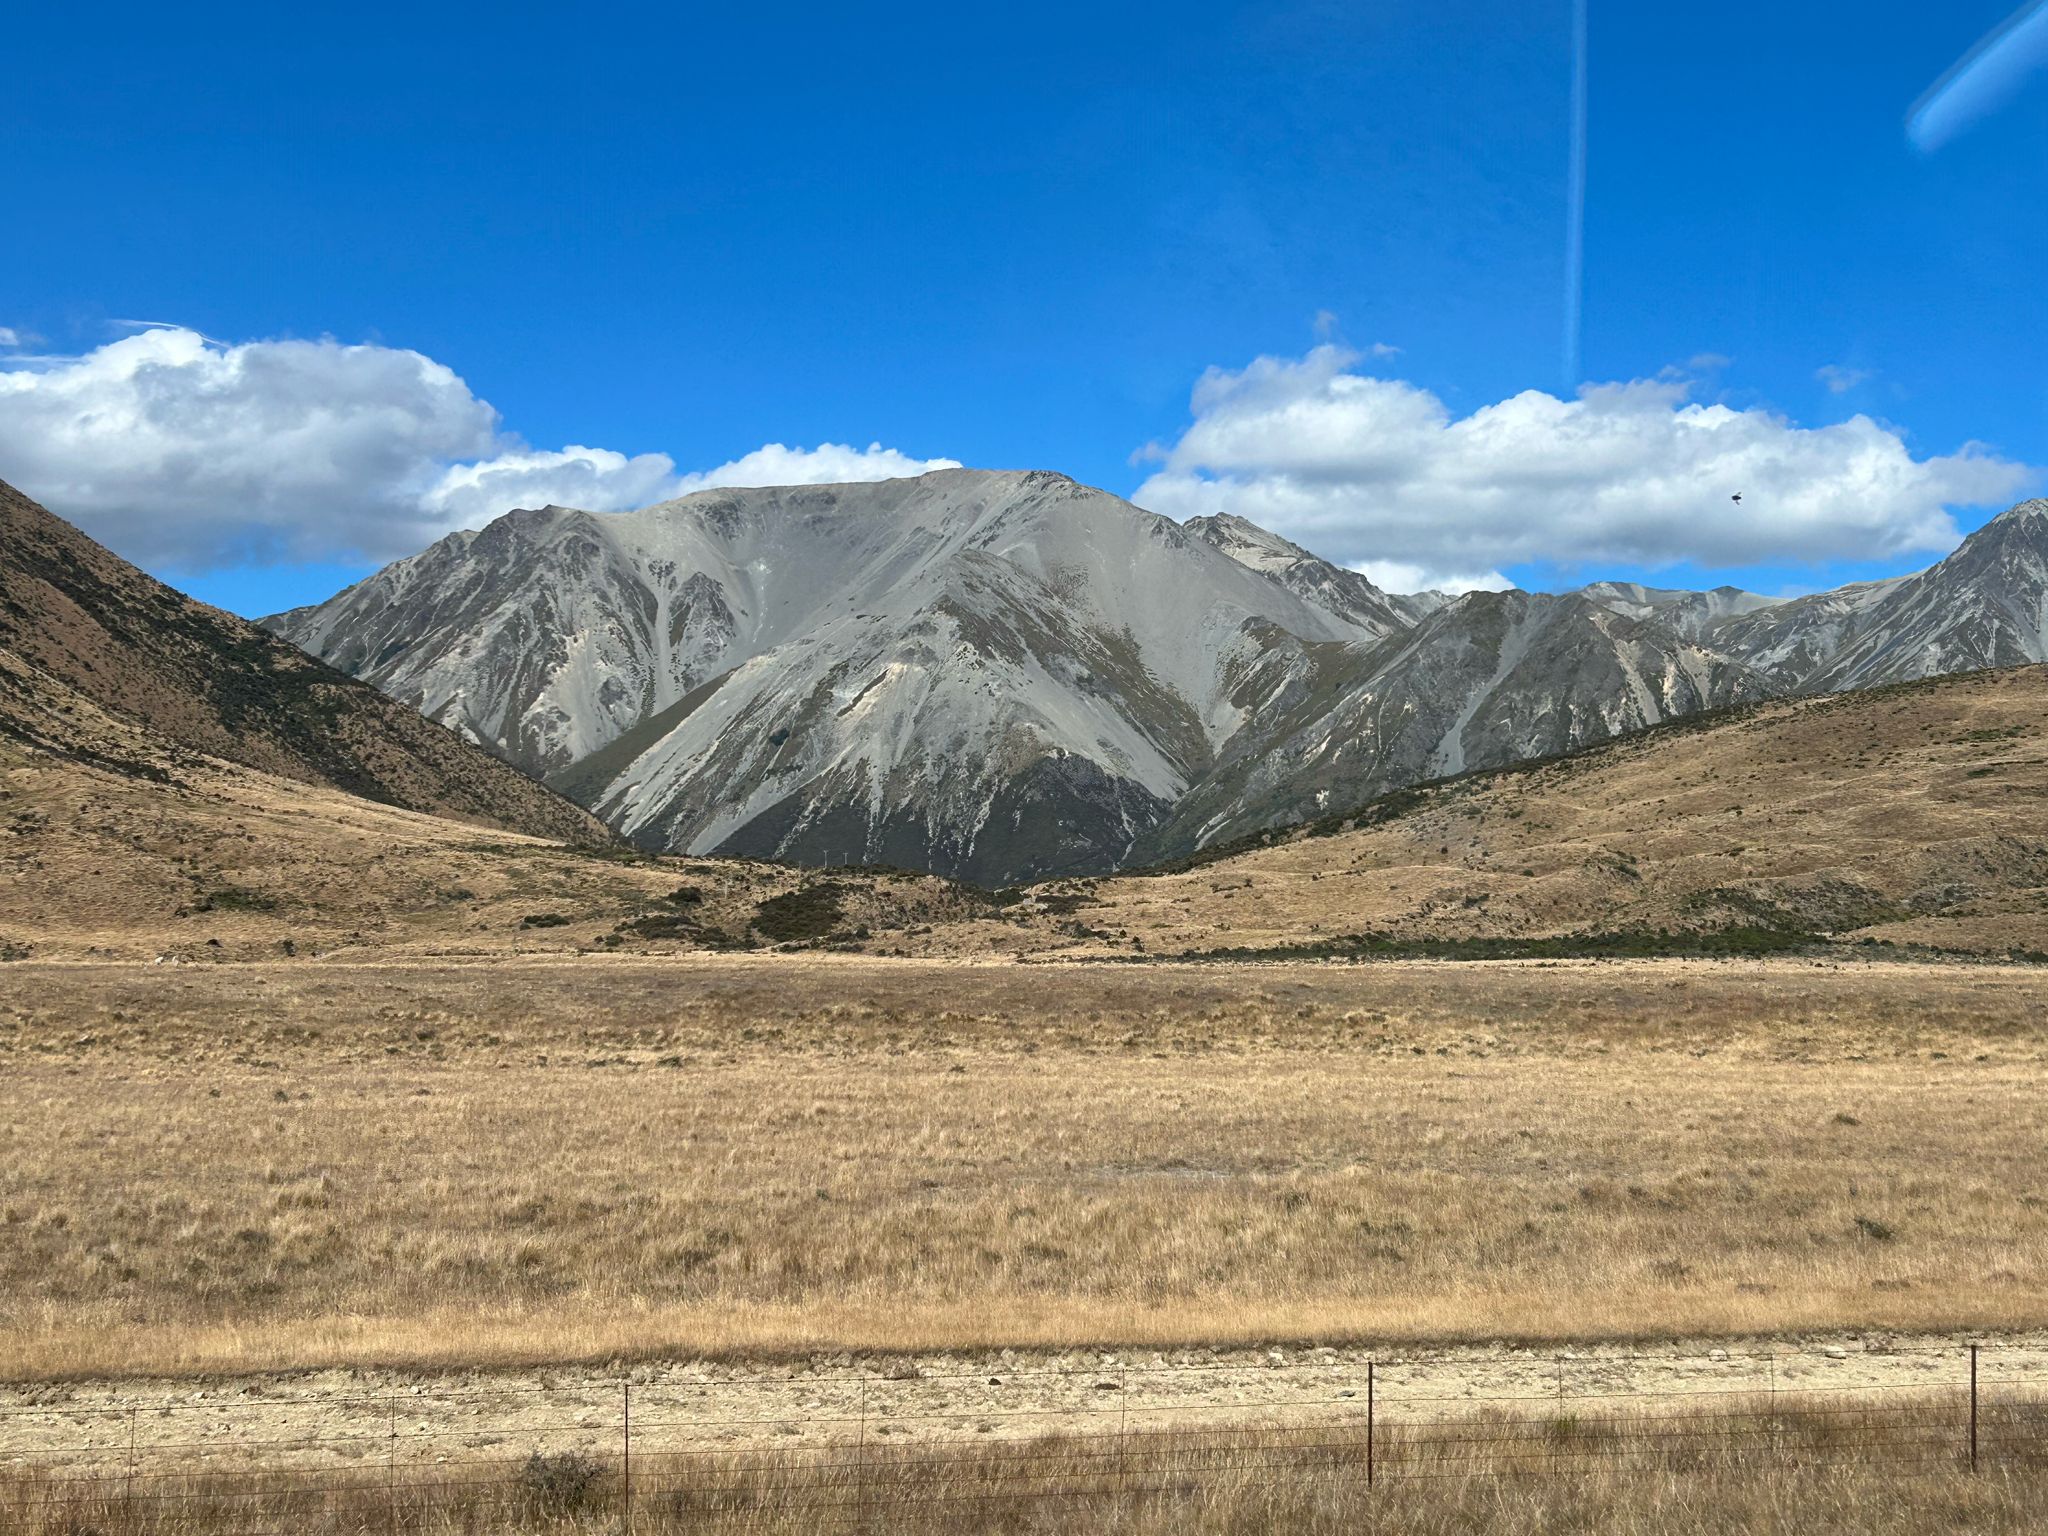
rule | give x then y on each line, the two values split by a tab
1492	677
1914	812
74	614
117	842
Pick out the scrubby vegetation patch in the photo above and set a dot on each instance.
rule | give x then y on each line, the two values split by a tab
798	916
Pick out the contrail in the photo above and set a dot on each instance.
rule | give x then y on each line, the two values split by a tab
1575	204
1983	79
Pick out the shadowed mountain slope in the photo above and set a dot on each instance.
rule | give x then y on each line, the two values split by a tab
1986	605
207	682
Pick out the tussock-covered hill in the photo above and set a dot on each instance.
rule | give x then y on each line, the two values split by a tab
116	842
207	682
1914	813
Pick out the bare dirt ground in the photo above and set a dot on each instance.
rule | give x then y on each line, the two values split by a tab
352	1418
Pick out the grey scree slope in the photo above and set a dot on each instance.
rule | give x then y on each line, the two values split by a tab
1004	676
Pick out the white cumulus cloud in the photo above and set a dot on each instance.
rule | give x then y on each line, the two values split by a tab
826	464
600	480
181	451
1406	576
594	479
175	449
1380	474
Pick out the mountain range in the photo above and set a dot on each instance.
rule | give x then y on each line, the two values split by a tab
177	784
1008	676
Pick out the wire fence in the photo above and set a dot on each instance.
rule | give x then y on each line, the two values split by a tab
673	1448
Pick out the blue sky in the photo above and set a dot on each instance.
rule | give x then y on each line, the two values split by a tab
1020	236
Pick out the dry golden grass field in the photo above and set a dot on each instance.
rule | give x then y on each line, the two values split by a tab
1651	1491
293	1164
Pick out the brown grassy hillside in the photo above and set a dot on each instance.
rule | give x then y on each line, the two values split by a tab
1914	814
208	681
115	841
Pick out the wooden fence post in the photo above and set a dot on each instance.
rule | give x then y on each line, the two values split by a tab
1369	1385
1973	1407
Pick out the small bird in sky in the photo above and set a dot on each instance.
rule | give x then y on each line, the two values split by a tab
1736	497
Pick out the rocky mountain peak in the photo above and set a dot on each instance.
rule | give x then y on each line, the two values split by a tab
2022	528
1004	675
